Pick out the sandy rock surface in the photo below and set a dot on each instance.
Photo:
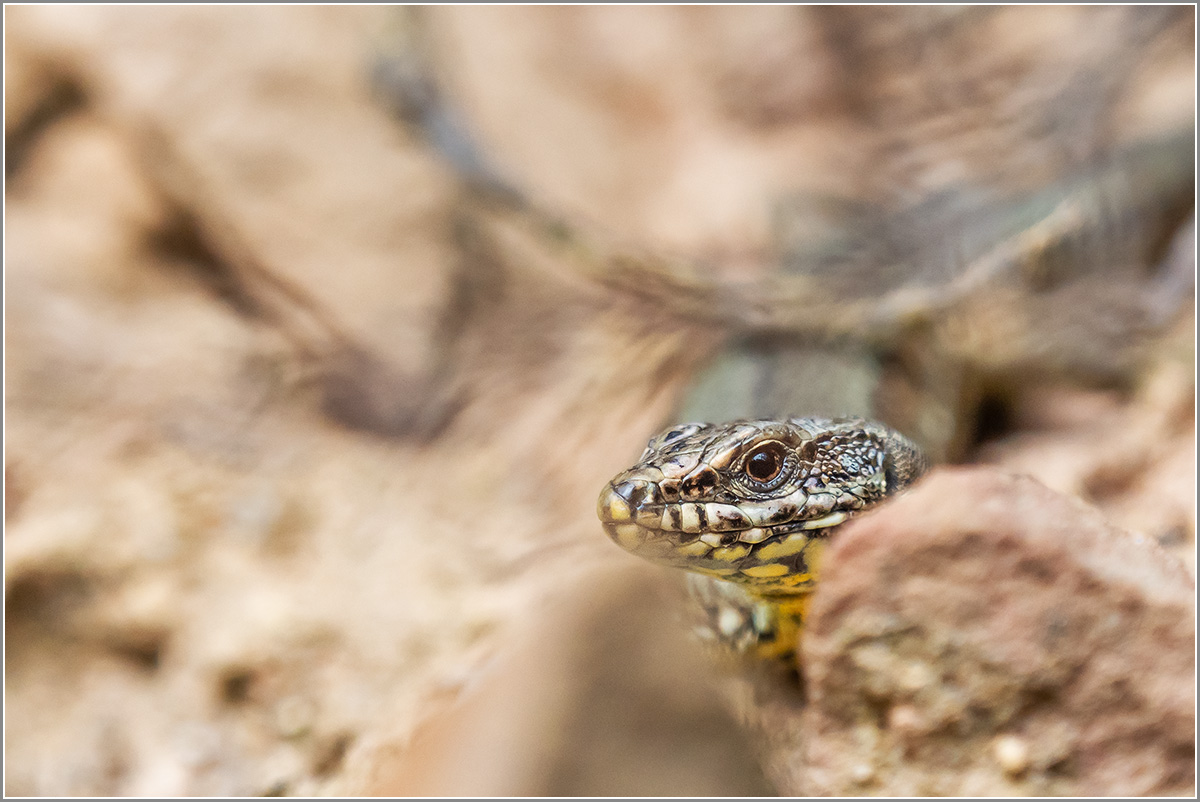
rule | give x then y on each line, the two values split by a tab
223	575
986	634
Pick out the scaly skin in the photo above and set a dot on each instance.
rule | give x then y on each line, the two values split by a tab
752	504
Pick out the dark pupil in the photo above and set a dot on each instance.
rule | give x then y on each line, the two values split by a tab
763	466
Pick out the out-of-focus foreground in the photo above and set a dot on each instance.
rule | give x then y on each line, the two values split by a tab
325	325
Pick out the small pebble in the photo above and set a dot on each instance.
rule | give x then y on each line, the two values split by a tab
907	720
729	621
1011	753
915	676
293	716
862	773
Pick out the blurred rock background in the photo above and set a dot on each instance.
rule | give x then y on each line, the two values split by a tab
303	446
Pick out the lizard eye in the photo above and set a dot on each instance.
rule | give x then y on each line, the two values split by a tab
765	462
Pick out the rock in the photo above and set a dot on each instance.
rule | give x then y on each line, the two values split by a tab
700	132
210	589
599	693
311	231
1132	454
986	635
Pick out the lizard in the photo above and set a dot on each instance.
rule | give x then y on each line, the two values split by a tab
749	507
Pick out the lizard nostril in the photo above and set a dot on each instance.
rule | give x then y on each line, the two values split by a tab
637	492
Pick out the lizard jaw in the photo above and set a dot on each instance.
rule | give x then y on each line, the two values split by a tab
760	534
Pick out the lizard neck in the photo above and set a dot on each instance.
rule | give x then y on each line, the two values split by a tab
778	377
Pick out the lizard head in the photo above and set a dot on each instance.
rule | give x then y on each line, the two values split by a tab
754	502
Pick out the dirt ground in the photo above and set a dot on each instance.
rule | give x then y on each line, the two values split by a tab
300	487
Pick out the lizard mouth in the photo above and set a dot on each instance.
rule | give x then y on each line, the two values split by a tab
761	535
719	539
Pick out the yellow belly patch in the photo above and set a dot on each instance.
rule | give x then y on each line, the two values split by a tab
730	553
784	548
695	549
765	570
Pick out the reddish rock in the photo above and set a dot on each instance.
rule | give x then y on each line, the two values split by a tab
986	635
